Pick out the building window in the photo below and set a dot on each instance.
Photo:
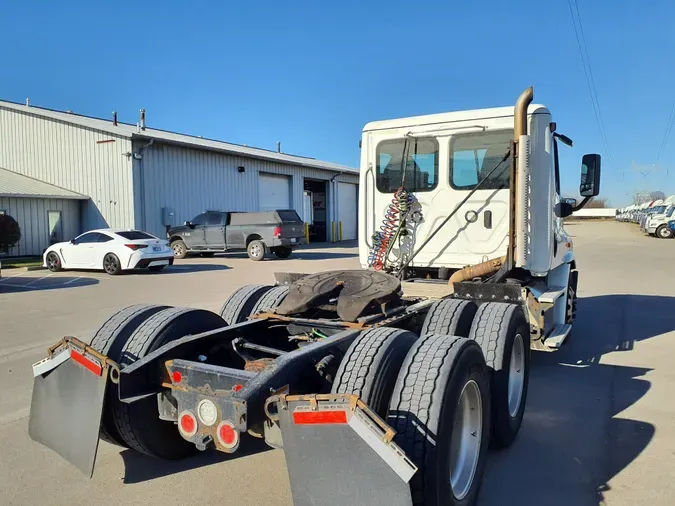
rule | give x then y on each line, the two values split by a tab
55	226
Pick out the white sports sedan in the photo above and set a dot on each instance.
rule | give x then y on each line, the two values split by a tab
110	250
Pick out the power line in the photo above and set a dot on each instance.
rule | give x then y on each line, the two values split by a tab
666	135
588	73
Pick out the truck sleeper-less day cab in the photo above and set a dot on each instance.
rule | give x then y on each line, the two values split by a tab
211	232
385	385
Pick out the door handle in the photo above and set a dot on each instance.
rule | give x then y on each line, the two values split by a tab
487	219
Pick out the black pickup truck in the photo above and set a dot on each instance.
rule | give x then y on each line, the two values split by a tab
211	232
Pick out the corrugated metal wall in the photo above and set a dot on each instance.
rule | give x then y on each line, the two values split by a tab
71	157
190	181
31	214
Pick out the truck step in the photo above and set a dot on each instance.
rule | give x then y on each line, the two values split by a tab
558	335
553	292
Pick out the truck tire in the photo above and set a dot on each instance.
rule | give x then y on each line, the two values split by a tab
138	423
664	232
503	334
179	249
240	304
440	410
271	299
450	317
109	340
256	250
371	365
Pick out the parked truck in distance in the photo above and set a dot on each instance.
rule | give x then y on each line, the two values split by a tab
260	234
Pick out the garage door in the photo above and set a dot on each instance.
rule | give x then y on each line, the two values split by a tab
274	192
347	206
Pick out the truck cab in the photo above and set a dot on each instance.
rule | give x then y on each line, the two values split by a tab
657	222
446	157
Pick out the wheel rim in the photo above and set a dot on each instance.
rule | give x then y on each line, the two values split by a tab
467	432
664	232
52	261
516	375
110	264
255	250
177	249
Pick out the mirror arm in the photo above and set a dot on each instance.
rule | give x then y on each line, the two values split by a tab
582	204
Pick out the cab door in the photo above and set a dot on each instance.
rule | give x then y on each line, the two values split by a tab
195	237
215	231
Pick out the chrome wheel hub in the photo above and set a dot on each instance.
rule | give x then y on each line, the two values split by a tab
516	375
465	446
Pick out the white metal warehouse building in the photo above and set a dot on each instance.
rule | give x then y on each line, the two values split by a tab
132	176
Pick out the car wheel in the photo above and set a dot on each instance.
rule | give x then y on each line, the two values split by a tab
664	232
283	252
53	262
179	249
111	264
156	268
256	250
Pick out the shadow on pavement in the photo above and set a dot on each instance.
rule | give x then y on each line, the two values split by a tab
18	284
180	268
140	468
573	441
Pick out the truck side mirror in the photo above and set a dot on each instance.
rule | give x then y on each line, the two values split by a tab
188	223
569	201
590	176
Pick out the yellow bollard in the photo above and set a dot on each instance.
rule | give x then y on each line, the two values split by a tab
332	231
340	228
306	233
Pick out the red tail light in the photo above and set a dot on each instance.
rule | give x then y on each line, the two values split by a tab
187	424
136	246
227	435
277	231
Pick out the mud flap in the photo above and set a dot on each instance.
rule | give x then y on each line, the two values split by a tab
68	392
339	452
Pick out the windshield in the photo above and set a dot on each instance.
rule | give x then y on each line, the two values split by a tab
657	210
421	168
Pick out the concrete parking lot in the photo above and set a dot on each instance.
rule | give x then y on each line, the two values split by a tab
600	420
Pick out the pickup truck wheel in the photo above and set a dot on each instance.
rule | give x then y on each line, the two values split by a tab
440	411
370	367
138	423
664	232
451	317
240	304
271	299
179	249
503	334
109	340
283	251
256	250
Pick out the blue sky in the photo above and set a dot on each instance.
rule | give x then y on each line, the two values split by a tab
311	74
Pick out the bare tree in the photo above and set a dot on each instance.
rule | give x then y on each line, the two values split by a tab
596	203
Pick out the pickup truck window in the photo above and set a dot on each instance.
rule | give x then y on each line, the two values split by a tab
288	216
200	219
215	218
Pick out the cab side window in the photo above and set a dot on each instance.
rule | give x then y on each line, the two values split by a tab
200	219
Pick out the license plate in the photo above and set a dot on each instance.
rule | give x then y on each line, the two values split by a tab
158	262
156	248
292	239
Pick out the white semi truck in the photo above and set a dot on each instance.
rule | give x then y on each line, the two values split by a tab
384	385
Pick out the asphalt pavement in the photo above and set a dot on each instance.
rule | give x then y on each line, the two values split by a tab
599	425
